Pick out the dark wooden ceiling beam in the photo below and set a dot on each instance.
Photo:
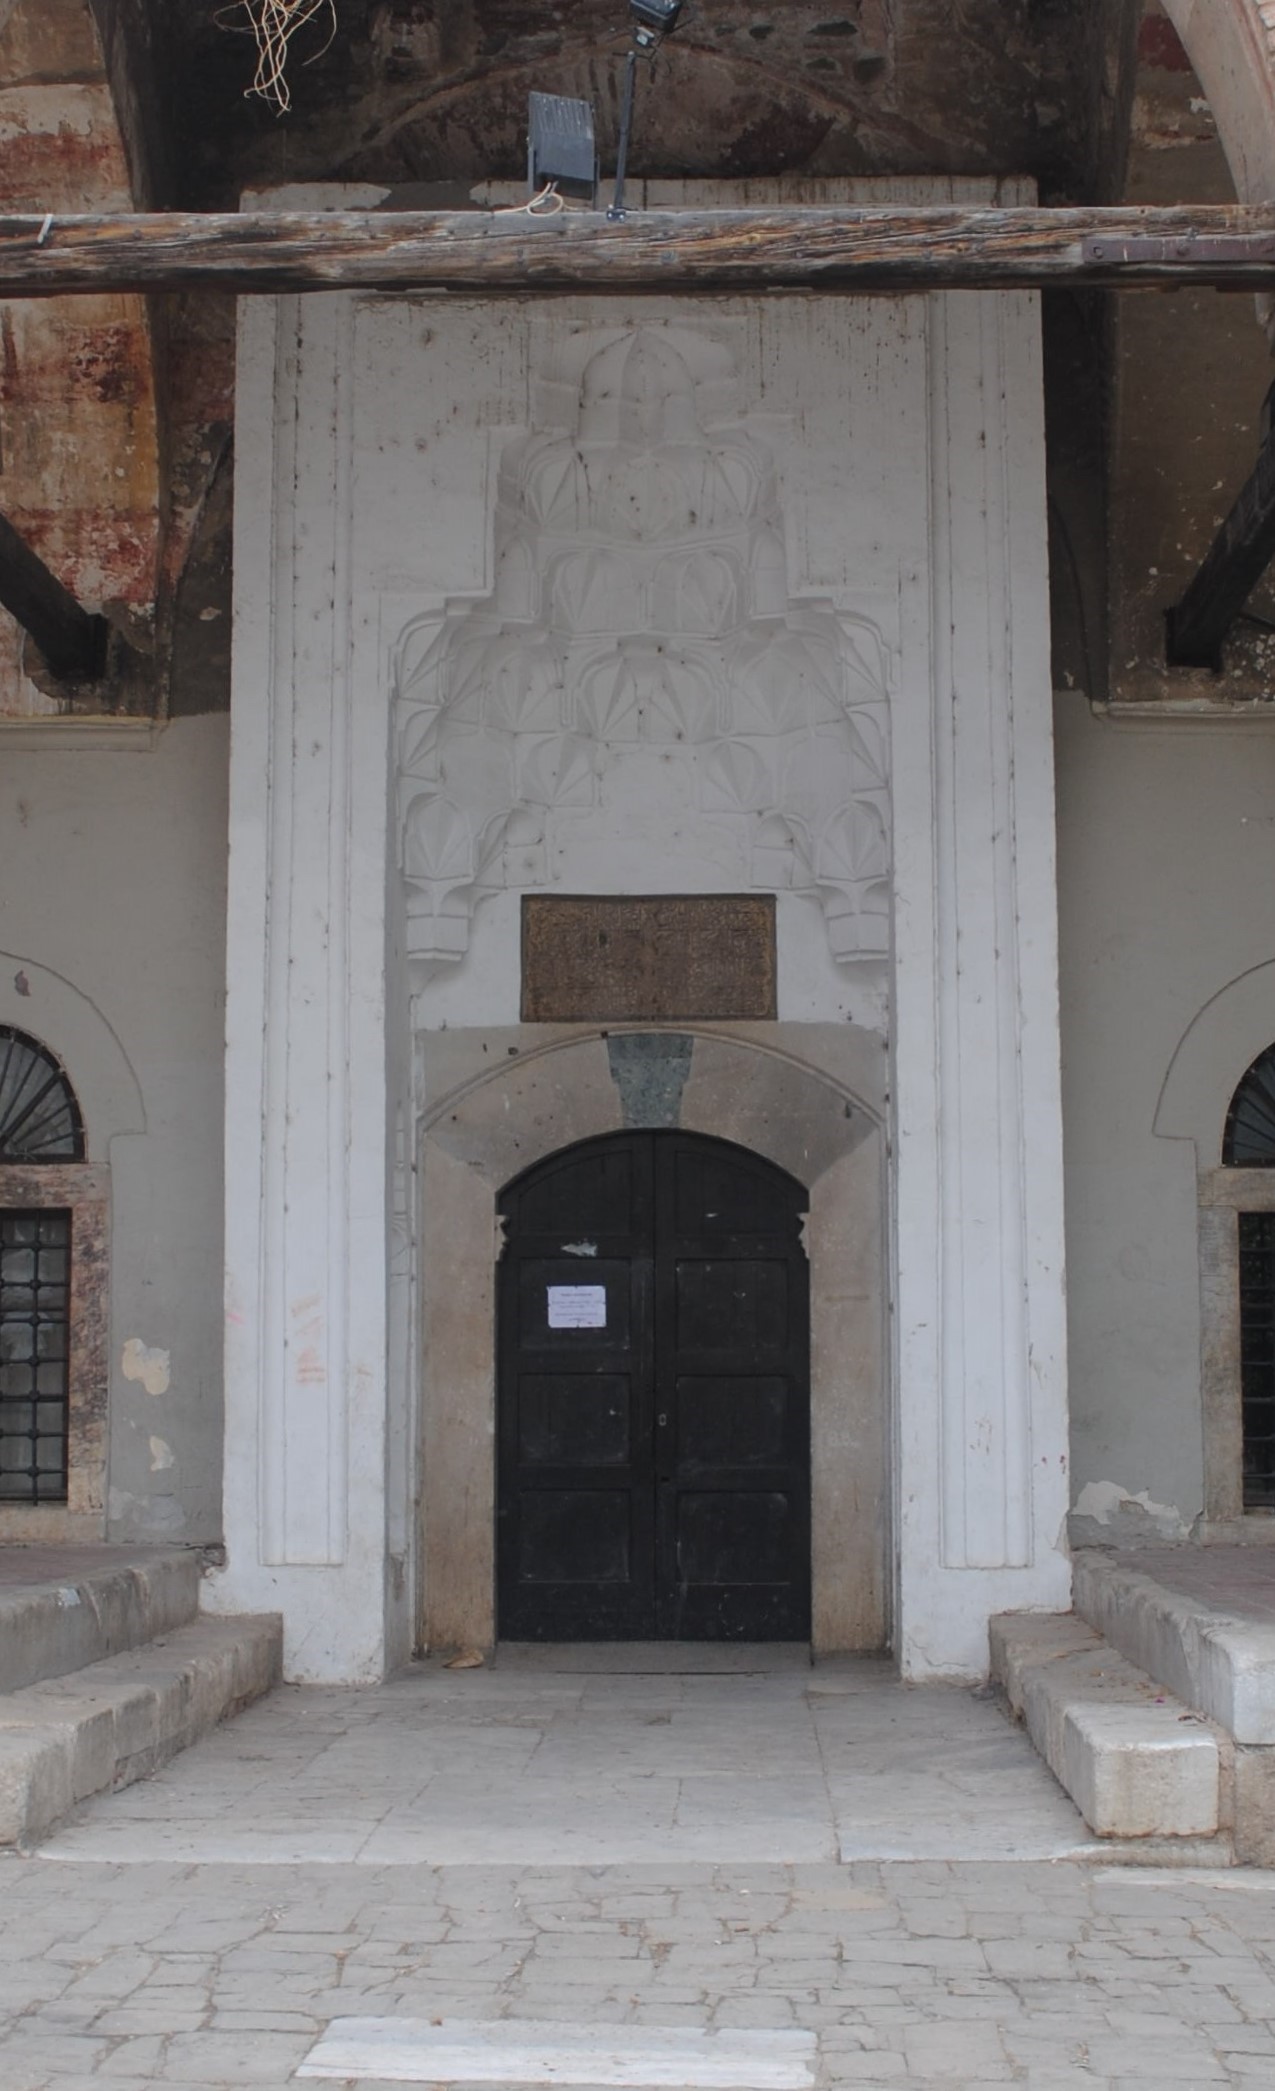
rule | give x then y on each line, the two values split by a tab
504	253
72	641
1198	626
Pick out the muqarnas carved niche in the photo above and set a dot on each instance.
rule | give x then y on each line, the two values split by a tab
641	705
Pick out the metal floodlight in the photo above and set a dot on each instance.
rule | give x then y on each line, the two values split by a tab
653	20
561	147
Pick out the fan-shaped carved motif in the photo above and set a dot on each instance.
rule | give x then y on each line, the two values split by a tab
523	692
439	846
608	704
558	772
641	637
696	594
737	778
600	589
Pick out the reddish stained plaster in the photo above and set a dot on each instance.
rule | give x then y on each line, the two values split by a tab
1160	47
79	423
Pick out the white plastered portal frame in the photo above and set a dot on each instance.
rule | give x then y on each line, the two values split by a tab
874	561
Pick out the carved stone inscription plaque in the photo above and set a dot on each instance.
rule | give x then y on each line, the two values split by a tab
657	958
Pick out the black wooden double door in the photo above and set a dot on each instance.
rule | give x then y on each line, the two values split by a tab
654	1396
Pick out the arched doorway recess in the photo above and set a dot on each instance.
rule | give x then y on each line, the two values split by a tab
497	1109
653	1396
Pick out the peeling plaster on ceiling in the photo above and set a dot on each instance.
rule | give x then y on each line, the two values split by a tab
79	417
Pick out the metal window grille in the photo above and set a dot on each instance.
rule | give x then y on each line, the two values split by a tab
1249	1140
35	1301
1257	1356
39	1117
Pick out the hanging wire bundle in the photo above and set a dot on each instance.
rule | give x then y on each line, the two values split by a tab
275	23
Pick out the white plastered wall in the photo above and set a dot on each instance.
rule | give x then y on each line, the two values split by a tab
112	935
1167	859
909	445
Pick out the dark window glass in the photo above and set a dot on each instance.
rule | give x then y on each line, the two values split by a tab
1249	1140
35	1312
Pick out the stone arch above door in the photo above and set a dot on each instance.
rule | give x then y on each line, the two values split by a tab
813	1103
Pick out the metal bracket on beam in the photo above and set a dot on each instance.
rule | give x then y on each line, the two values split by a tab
1205	251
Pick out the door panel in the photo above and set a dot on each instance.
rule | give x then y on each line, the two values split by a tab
733	1539
734	1422
732	1309
574	1420
579	1536
654	1411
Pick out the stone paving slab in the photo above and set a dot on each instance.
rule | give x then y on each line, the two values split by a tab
525	2051
506	1767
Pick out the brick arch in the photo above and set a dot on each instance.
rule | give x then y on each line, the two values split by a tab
1231	45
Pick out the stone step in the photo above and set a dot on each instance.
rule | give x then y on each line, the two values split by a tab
117	1720
61	1610
1218	1663
1135	1761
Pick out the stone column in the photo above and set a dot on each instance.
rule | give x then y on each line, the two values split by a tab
307	1152
979	1199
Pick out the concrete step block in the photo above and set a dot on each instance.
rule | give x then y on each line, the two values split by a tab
49	1629
1221	1666
118	1720
1022	1641
1135	1771
1133	1759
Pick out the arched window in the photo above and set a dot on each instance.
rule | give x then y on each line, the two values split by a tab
1249	1140
1249	1143
40	1127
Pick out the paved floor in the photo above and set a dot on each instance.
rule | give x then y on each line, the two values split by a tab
503	1859
532	1764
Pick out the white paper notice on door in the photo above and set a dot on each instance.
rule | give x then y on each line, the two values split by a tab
577	1306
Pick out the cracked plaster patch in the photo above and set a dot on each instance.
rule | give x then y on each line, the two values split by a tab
151	1366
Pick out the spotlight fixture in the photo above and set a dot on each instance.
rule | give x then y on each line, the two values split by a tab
561	147
652	21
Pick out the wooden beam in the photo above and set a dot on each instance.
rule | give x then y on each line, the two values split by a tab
1238	557
72	642
507	253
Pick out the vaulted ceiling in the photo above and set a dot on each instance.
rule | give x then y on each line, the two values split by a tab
122	476
412	91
